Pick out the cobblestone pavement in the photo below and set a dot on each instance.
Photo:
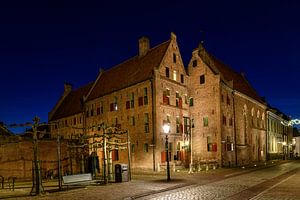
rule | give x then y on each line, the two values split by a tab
234	183
260	184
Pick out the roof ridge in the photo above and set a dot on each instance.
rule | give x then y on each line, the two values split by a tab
136	56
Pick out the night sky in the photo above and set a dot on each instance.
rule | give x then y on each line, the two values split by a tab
42	46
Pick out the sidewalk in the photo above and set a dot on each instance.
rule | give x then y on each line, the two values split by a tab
144	182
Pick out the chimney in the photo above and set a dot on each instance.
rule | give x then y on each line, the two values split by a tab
68	88
144	46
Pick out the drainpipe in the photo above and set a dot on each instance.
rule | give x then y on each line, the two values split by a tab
153	121
235	148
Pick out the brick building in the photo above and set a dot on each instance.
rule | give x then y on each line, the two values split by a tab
212	110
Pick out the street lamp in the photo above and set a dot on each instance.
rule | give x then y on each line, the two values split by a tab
166	128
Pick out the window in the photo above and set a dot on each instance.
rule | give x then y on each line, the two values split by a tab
205	121
132	148
177	124
229	144
98	111
174	75
131	96
210	145
186	125
202	79
224	120
191	101
114	105
166	97
174	58
132	121
146	123
74	121
168	118
145	96
167	72
115	155
145	147
194	63
230	121
92	111
185	99
182	78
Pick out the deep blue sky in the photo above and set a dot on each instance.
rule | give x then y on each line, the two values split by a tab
44	45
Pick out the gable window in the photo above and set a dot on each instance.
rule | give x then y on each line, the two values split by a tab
205	121
194	63
181	78
174	58
146	123
166	97
202	79
167	72
174	75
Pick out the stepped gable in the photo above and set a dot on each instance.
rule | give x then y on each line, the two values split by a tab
130	72
71	105
240	83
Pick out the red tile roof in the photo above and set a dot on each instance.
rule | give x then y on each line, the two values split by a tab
239	81
71	105
130	72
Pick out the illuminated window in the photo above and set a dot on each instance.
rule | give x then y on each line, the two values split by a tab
174	75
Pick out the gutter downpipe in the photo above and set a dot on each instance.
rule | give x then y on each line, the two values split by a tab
153	120
235	148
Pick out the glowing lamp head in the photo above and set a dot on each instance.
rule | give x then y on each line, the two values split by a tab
166	128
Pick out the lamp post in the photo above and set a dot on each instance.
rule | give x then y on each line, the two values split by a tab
166	128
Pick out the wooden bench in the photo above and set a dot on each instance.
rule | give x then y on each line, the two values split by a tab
78	179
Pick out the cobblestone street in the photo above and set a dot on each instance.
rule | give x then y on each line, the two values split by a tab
245	186
280	181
